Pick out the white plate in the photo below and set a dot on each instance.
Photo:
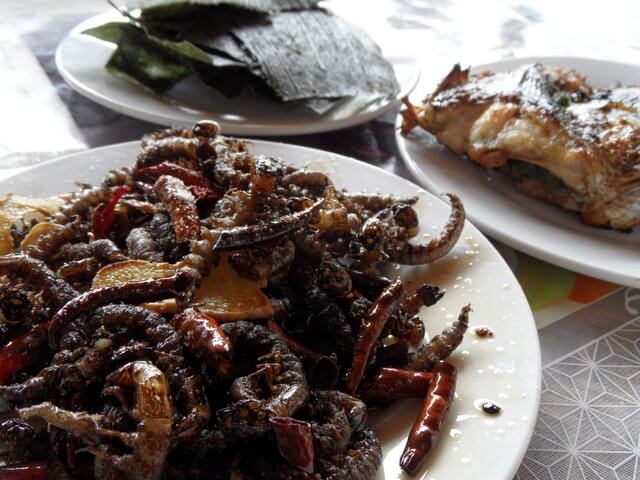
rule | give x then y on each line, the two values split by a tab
533	226
81	59
505	368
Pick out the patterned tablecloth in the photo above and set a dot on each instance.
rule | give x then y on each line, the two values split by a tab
589	422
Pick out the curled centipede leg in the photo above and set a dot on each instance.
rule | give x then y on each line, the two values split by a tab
409	254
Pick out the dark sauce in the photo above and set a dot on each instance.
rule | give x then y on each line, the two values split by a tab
491	408
483	332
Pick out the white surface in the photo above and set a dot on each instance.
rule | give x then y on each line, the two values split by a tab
81	59
505	368
36	121
532	226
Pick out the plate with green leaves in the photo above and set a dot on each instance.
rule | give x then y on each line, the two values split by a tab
257	67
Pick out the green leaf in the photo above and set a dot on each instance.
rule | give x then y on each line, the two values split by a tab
155	62
109	32
140	59
115	32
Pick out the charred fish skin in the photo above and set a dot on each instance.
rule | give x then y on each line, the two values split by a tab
555	136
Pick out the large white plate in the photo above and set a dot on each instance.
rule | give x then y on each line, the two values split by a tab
81	59
533	226
505	368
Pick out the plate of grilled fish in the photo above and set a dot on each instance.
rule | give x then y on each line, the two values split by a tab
552	149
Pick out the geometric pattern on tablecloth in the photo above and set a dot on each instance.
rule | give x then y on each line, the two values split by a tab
588	426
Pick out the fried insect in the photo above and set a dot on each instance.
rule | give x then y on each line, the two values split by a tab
175	148
334	278
322	370
20	442
82	203
316	181
49	243
246	235
362	461
405	323
153	411
136	388
203	336
356	202
202	256
409	254
288	385
265	172
425	295
143	246
334	416
131	292
263	261
330	420
182	207
168	355
440	346
118	177
55	291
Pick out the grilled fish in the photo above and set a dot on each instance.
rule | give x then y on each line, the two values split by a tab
548	130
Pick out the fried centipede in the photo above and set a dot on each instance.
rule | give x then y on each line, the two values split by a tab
137	383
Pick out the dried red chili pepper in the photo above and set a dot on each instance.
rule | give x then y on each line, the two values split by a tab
395	383
295	442
105	214
24	471
199	186
425	431
370	330
19	351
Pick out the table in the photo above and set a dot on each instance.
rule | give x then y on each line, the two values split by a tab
589	421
